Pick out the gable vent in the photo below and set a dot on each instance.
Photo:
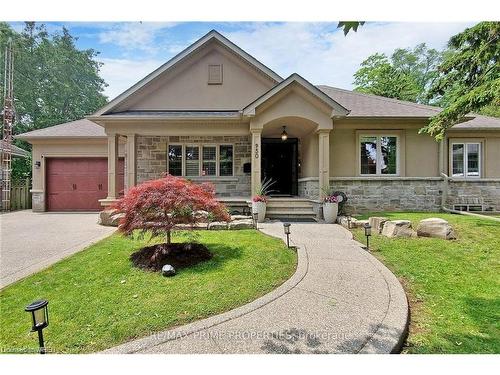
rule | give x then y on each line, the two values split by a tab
215	74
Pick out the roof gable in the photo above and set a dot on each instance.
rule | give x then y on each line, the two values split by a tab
212	37
337	109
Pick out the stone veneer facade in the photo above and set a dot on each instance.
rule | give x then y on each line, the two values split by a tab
408	193
152	161
484	192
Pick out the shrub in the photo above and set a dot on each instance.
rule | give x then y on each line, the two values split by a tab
158	206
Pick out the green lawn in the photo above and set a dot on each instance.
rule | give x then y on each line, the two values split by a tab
98	300
454	286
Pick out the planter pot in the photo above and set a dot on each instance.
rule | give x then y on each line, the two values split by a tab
330	211
260	208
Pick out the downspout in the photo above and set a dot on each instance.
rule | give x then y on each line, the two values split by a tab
444	198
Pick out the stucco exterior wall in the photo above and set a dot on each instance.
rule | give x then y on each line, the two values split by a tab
490	150
152	161
418	154
186	87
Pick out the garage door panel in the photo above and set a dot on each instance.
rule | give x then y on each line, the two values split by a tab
77	184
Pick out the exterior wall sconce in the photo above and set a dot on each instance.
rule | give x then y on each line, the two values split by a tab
286	228
38	164
40	316
284	134
368	233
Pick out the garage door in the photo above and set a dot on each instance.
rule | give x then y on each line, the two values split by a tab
77	184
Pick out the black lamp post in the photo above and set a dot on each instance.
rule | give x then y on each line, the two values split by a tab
40	315
255	218
286	228
368	233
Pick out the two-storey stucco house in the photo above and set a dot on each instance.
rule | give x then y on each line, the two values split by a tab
214	113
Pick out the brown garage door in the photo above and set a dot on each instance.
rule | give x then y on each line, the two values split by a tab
77	184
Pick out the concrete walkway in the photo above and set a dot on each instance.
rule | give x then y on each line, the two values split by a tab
340	300
31	241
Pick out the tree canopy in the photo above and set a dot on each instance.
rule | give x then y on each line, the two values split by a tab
469	77
54	81
406	75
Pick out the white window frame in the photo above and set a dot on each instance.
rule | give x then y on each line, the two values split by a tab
466	159
200	148
378	136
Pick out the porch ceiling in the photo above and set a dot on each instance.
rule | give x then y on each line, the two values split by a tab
296	127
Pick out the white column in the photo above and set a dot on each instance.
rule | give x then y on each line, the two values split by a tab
324	160
256	159
130	178
112	166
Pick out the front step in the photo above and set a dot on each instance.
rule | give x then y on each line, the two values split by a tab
292	208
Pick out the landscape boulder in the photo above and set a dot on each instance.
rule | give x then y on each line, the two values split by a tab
167	270
398	228
437	228
241	224
240	217
377	223
217	225
358	223
110	218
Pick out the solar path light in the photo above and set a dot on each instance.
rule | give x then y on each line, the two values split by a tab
40	317
368	233
286	228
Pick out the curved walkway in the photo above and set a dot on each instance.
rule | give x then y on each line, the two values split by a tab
340	300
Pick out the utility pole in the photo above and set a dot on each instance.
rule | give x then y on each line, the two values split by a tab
8	121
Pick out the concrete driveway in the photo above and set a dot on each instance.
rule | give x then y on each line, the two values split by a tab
32	241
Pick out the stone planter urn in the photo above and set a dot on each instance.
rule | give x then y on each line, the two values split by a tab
260	208
330	211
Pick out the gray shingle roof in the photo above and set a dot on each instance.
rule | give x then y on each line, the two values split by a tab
359	104
75	129
479	123
367	105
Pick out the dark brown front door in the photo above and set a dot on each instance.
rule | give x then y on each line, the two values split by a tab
77	184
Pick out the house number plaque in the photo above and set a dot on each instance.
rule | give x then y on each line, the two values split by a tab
256	151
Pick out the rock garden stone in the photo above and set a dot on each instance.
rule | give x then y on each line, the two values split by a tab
109	218
167	270
217	225
358	223
241	224
377	223
240	217
398	228
437	228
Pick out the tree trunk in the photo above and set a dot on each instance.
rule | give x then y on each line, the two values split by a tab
169	237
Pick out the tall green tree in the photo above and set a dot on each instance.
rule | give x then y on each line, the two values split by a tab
406	75
54	81
469	77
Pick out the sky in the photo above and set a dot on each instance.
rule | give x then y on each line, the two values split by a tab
318	51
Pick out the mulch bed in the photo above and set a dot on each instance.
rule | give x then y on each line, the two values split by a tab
178	255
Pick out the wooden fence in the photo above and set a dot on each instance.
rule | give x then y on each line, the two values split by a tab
20	196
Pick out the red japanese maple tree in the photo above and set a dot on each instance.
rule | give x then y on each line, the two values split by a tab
157	206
